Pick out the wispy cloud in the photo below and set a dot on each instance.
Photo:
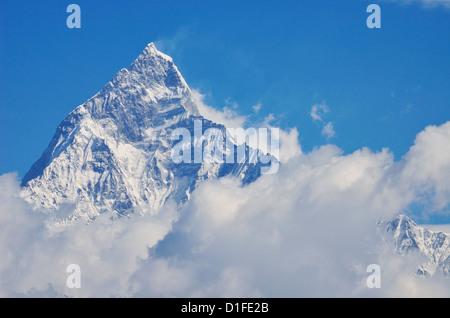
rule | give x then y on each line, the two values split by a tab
328	131
227	116
424	3
318	111
257	107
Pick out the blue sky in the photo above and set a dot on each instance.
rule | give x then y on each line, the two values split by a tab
381	86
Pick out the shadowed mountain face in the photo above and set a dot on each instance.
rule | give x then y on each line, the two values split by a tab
113	153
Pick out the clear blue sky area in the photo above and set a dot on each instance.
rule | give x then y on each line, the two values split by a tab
382	86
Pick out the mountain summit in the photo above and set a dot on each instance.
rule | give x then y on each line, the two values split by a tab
407	237
113	153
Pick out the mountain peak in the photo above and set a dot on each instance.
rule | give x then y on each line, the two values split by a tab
114	152
156	70
403	219
151	45
151	57
151	50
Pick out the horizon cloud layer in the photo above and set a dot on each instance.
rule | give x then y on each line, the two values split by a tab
308	230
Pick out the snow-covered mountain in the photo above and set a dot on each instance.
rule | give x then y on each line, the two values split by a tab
408	237
113	153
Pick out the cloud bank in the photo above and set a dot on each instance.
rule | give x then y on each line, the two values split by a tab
308	230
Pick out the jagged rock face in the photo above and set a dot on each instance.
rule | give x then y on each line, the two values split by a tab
113	153
408	237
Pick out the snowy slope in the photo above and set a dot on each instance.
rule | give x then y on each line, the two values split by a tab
113	153
408	237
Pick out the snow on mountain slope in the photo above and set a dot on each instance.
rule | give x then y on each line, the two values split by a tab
113	153
408	237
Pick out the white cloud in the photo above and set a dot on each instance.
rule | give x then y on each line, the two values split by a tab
227	117
108	251
328	130
438	228
257	107
445	3
425	3
308	230
289	146
170	45
231	119
318	111
428	163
